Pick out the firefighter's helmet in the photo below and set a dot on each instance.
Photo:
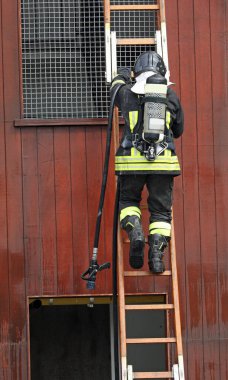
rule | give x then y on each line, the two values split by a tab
149	61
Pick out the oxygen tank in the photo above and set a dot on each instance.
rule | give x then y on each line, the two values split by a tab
155	103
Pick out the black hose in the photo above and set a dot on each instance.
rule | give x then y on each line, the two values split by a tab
114	282
90	274
106	165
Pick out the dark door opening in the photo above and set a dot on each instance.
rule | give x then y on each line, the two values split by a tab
70	342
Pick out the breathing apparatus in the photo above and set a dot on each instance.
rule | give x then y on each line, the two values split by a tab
152	141
153	94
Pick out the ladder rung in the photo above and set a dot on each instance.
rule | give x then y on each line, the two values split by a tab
150	340
152	375
134	273
133	7
127	241
135	41
150	307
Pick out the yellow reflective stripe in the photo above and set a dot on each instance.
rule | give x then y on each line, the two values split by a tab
161	228
116	82
129	211
168	153
160	225
161	232
167	158
148	167
135	153
133	118
168	119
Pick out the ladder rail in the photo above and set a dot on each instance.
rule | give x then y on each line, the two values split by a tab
164	44
176	302
108	64
122	316
120	273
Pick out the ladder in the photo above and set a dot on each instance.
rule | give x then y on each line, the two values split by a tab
159	43
177	372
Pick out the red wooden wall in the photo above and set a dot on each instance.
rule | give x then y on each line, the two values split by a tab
49	189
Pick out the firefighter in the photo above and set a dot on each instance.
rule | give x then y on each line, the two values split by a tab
143	161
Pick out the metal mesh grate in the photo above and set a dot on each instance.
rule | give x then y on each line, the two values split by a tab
63	59
134	24
127	55
63	54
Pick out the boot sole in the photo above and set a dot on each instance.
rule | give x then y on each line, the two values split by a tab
136	259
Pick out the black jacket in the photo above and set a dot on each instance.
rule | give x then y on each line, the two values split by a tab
128	159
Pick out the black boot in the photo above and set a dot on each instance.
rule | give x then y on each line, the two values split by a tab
132	225
157	245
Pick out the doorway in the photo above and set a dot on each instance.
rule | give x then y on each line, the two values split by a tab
72	338
70	342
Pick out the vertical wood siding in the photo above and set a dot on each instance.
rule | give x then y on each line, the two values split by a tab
50	182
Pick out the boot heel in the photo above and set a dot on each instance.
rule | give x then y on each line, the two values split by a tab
156	265
136	257
133	226
157	245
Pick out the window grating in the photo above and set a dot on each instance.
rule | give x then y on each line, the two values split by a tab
127	55
63	59
134	24
63	54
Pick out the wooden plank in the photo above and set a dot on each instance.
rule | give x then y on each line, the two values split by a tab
132	7
172	18
150	307
140	273
150	340
80	210
193	297
16	269
11	60
218	20
59	122
16	272
207	196
47	210
5	362
152	375
63	208
32	237
135	41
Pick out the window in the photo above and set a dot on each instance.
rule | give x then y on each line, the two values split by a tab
63	59
63	55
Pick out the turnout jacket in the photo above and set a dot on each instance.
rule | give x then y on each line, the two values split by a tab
128	159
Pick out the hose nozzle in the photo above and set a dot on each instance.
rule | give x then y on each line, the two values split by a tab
91	273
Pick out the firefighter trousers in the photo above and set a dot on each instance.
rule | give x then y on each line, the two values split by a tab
159	199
